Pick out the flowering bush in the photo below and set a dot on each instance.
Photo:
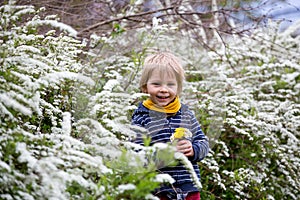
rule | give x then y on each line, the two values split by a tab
52	145
65	113
258	148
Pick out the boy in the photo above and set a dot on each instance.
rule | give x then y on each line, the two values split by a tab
161	114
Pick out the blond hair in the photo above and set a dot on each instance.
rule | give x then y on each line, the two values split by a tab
164	62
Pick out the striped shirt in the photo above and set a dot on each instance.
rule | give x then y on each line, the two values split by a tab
160	127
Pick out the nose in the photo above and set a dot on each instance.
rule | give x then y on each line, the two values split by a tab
163	89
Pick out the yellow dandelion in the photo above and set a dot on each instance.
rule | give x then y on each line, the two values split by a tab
180	133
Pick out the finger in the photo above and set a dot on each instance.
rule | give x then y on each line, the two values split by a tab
183	142
184	145
184	148
189	152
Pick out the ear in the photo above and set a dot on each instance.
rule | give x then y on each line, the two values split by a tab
144	89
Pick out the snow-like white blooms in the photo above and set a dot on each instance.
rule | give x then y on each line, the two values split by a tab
188	165
156	21
246	95
66	123
122	188
56	24
162	178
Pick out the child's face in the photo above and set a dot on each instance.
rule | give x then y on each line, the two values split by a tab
162	88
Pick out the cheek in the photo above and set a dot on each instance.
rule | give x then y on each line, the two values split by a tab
174	90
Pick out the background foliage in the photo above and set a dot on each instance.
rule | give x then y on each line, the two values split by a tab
65	109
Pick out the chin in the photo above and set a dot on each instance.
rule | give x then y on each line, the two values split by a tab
163	104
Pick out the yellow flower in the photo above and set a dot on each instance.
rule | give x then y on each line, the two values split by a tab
180	133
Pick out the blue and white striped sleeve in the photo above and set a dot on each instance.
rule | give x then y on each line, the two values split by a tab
138	120
199	142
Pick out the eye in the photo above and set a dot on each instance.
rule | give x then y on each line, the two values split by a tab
171	84
156	84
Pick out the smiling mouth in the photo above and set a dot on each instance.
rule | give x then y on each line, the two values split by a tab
162	97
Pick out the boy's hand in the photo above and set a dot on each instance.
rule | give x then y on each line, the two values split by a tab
185	147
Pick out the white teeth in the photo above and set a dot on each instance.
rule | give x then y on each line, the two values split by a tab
162	97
